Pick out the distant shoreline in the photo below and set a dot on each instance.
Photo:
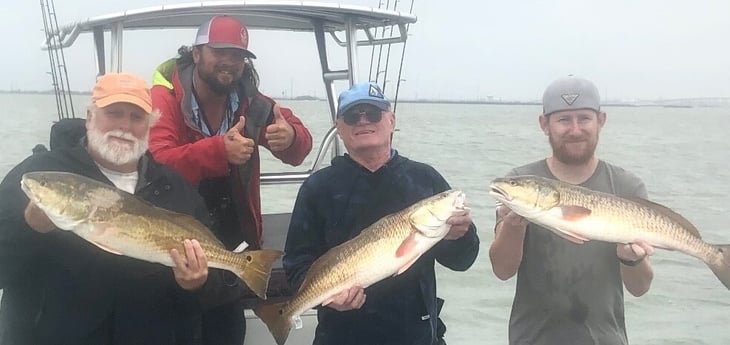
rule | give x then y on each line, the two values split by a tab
39	92
686	103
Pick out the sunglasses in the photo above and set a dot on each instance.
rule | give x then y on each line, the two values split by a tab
351	117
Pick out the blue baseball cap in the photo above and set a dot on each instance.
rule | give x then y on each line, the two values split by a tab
362	93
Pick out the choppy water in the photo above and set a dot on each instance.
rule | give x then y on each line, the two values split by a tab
682	155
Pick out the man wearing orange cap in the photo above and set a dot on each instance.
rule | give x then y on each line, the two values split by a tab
60	289
213	120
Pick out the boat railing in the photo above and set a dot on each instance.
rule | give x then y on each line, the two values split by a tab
299	177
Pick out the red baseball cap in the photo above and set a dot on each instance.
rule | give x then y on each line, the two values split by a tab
224	32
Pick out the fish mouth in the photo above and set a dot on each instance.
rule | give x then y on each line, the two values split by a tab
460	201
26	189
499	193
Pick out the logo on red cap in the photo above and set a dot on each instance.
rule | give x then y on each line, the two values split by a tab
244	37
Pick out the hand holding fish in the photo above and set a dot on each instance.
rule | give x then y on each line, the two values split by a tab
192	271
634	251
510	218
352	298
460	223
37	219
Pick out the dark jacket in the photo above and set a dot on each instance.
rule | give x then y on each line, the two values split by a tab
333	206
60	289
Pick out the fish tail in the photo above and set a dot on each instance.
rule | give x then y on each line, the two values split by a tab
721	267
255	269
273	316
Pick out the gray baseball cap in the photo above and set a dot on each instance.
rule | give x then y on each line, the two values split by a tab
570	93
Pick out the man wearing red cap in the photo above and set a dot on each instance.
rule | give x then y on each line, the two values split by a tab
213	119
59	288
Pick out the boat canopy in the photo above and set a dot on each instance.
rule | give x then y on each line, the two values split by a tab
350	27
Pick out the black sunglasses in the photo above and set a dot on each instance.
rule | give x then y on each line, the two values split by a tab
351	117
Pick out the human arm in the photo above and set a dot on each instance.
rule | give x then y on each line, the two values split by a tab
505	253
20	245
636	271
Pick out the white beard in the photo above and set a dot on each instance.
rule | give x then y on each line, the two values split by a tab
114	151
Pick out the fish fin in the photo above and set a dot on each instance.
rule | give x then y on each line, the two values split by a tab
254	268
721	267
572	237
408	265
407	245
572	213
277	323
241	247
666	211
105	248
97	232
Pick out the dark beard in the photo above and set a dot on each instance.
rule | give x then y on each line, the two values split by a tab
561	154
214	85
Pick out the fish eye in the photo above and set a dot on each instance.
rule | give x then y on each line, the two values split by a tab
43	183
513	182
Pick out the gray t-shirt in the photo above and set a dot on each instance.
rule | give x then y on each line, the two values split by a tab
569	293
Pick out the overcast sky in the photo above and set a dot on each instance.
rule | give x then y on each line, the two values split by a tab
632	49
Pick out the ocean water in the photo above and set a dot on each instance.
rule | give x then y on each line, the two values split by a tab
680	153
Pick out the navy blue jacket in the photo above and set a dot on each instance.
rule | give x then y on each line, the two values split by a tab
333	206
60	289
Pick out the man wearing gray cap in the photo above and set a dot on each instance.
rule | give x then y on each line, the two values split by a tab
569	293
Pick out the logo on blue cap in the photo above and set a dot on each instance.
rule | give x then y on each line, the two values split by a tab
375	91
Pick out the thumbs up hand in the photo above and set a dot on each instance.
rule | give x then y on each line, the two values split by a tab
279	134
238	147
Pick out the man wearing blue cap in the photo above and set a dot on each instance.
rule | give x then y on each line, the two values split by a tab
569	293
371	181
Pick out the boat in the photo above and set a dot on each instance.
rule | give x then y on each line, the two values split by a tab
350	27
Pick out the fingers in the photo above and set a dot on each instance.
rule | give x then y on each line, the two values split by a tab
642	248
240	125
510	217
190	256
358	299
37	219
191	269
200	255
634	251
459	218
278	116
178	260
638	250
352	298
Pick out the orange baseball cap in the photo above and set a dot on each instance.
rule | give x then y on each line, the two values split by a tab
113	88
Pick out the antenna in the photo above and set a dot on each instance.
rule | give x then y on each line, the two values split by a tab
59	73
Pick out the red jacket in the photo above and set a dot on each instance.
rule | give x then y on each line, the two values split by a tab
177	142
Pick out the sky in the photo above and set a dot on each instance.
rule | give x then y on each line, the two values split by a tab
463	50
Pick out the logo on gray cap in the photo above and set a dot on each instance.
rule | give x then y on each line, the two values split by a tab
570	98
